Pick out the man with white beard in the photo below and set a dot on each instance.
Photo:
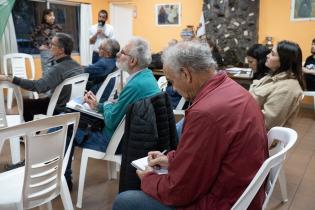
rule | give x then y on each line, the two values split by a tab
133	58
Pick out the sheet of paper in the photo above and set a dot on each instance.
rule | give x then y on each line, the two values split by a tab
143	162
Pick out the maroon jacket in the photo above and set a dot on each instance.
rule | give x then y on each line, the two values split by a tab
223	145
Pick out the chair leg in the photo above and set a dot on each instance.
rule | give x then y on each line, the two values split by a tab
15	150
283	185
83	168
65	195
111	170
46	206
9	98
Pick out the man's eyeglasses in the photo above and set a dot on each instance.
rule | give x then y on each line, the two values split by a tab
54	44
124	53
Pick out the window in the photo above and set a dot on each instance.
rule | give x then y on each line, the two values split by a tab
27	15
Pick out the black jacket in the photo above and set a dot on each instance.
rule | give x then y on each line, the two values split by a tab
150	125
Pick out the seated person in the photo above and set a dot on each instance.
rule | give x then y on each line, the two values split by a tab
207	169
133	58
65	67
279	93
105	65
256	57
309	69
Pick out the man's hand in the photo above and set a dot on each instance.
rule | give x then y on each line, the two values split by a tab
157	159
43	47
6	78
142	173
91	100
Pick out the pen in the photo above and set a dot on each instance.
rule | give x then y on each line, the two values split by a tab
164	151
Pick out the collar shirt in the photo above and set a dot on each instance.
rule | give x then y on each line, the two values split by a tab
109	33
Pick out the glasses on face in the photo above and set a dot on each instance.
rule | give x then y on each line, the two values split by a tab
124	53
54	44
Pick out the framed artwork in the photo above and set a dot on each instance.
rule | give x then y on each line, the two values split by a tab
302	10
168	14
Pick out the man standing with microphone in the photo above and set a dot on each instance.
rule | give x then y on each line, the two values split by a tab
99	32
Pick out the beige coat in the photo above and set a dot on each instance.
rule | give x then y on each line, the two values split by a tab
279	97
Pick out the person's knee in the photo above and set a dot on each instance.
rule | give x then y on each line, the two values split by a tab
126	200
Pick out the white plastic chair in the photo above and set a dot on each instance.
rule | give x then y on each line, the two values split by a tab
78	84
286	138
42	179
109	156
312	94
11	120
162	83
18	69
117	74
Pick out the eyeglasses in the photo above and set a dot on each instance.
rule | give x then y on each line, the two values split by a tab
54	44
124	53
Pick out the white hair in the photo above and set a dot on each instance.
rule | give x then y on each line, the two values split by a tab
192	55
141	51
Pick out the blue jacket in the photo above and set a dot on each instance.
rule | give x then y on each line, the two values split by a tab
99	70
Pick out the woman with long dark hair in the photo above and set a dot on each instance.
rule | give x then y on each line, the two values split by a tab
42	36
279	93
256	57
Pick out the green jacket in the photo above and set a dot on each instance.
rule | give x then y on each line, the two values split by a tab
140	86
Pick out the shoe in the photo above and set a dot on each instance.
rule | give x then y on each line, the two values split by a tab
70	184
9	167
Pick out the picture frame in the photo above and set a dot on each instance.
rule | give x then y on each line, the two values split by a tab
168	14
302	10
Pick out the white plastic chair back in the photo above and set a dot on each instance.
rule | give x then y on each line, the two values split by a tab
162	83
272	166
10	120
109	155
45	141
116	74
78	84
17	67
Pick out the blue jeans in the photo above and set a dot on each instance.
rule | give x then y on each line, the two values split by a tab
46	59
137	200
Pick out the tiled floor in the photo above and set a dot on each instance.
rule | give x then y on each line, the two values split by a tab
99	192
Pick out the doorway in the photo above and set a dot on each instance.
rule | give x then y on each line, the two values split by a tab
121	18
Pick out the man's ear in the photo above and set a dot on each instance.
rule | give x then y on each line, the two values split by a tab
186	74
133	61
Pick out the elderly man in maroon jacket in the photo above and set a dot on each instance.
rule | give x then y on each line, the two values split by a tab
223	143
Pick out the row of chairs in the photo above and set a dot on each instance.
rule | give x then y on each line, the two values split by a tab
41	180
78	85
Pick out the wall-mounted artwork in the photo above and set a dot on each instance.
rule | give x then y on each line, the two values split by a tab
167	14
302	10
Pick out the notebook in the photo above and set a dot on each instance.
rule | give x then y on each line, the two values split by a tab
143	162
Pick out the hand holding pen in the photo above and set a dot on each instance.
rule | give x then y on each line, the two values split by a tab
90	99
158	159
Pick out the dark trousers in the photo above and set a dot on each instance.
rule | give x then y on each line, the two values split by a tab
95	57
34	106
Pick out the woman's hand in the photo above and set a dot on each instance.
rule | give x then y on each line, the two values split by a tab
91	100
